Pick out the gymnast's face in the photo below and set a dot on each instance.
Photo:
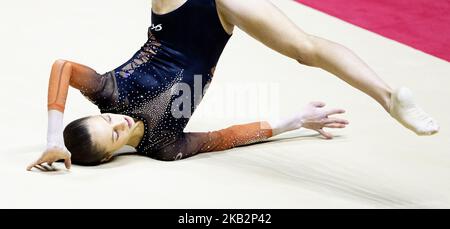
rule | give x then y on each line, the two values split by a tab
111	131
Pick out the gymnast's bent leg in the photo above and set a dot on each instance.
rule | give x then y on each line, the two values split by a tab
266	23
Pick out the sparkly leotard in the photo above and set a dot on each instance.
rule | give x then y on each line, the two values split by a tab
183	48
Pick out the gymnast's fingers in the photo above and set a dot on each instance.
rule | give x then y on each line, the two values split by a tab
325	134
42	169
29	167
335	111
68	163
335	125
38	162
335	120
47	168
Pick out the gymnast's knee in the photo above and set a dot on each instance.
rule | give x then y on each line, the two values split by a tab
306	52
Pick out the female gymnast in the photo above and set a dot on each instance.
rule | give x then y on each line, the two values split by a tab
143	103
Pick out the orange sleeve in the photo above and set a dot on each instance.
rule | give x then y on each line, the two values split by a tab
58	86
65	73
236	135
190	144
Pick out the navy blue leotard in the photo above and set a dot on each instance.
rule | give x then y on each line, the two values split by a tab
181	44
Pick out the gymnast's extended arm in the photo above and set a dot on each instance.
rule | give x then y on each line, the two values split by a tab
63	74
314	116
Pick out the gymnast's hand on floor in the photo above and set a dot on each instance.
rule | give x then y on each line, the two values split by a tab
315	117
51	155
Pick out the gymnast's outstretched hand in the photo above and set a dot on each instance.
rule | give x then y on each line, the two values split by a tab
51	155
315	117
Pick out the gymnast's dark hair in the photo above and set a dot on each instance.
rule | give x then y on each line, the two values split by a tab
79	143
